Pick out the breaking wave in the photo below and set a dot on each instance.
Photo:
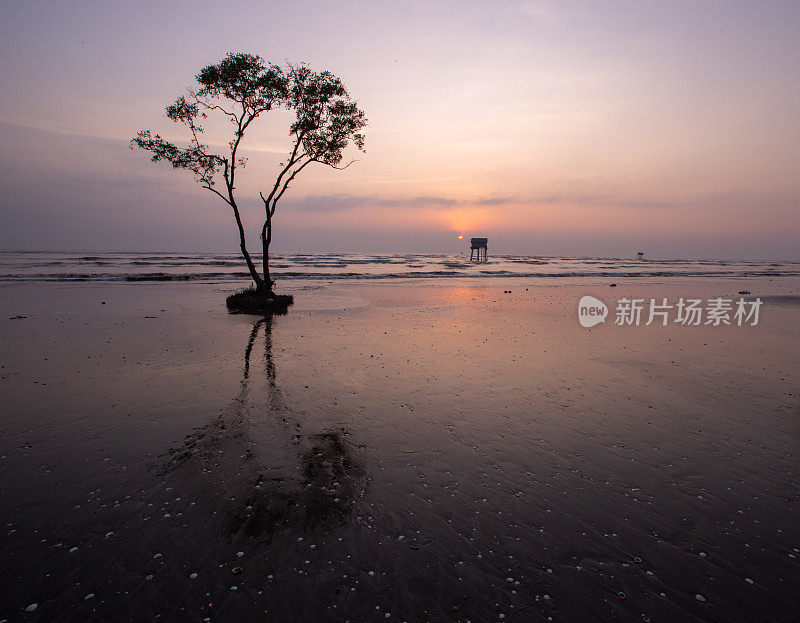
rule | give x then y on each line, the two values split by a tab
222	267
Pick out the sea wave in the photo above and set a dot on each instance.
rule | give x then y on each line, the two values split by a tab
429	274
229	267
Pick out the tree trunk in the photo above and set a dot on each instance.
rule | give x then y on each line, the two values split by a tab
266	238
243	246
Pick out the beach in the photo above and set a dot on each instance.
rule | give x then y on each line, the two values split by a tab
431	449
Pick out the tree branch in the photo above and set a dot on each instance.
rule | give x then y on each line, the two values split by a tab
286	184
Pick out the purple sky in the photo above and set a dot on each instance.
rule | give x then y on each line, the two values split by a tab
570	128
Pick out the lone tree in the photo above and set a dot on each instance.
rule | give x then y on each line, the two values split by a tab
241	87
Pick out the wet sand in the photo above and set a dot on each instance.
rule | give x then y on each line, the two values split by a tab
417	452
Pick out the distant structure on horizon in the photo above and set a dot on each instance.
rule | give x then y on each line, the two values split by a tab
478	244
640	255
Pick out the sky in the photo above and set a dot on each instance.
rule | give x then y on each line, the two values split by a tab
578	128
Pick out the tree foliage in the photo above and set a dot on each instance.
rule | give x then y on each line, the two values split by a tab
240	88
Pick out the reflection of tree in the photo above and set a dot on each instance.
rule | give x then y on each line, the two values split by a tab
324	496
247	459
269	365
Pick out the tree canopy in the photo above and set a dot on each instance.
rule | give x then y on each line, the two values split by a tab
241	87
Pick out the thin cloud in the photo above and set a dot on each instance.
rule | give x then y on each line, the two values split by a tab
342	201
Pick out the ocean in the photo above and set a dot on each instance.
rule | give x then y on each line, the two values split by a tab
227	267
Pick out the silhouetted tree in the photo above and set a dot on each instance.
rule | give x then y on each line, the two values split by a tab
241	87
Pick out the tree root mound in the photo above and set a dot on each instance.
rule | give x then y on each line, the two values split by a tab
252	301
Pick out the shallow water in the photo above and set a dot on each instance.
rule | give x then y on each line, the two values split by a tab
226	267
431	453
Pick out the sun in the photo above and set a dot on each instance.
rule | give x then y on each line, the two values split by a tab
460	237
